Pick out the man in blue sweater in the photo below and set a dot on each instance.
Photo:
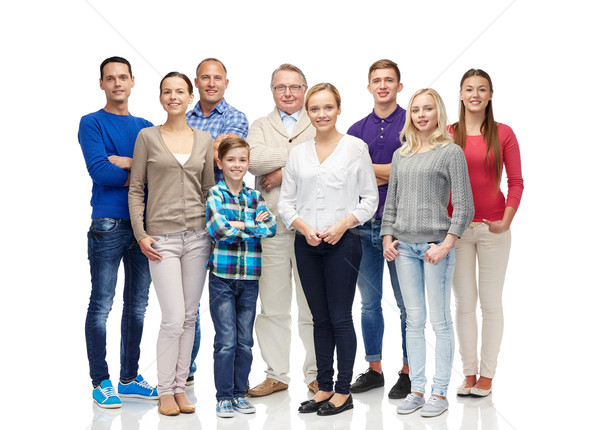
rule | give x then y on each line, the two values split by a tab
107	138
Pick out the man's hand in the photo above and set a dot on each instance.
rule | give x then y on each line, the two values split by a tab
271	180
122	162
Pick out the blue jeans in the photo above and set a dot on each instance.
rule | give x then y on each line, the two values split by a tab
110	241
370	285
232	308
328	276
196	346
415	277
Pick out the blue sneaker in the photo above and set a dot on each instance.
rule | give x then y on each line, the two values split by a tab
138	388
243	406
225	409
104	395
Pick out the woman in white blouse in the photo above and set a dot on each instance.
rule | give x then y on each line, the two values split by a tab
328	188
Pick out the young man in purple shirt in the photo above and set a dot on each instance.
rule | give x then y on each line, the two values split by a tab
381	132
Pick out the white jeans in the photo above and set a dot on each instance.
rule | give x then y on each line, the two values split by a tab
480	249
273	323
178	280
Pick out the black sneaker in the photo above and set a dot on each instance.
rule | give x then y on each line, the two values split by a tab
402	388
366	381
189	381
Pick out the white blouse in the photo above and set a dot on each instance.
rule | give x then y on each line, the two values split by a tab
322	194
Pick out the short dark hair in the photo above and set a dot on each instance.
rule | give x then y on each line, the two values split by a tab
114	60
384	64
232	143
178	75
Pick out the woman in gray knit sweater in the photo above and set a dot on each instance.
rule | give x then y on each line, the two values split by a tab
419	235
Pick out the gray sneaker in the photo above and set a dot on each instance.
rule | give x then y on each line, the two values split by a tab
410	404
435	406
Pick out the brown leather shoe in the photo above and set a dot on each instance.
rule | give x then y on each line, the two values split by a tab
167	405
185	405
268	386
313	386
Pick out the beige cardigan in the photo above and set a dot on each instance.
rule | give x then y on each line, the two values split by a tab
176	193
270	146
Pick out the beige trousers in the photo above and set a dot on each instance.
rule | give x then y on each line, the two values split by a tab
178	280
478	249
273	323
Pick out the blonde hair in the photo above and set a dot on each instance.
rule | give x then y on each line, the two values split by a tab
409	136
324	86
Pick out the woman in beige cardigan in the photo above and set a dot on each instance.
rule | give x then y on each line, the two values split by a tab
176	163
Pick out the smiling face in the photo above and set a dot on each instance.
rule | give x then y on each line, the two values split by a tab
475	94
384	86
175	96
424	115
211	82
323	110
234	164
288	101
116	83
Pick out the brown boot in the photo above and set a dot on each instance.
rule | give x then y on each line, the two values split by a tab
167	405
268	386
185	405
313	386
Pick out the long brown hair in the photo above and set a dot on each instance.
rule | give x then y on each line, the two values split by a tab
489	128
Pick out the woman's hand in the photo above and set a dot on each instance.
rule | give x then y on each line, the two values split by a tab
148	251
389	248
496	227
436	253
312	236
334	233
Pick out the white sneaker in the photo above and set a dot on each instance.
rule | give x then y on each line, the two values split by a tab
435	406
411	403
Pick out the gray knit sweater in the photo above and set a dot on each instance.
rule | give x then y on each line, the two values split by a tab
416	207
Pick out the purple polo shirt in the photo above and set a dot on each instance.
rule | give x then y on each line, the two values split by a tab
382	135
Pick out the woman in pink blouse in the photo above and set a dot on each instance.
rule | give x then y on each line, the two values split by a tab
489	147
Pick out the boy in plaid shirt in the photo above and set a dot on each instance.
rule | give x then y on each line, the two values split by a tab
236	218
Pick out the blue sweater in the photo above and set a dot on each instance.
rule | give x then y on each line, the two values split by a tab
102	134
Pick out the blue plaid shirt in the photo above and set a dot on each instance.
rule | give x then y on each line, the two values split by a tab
236	253
224	118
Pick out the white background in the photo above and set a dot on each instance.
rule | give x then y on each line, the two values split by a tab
542	57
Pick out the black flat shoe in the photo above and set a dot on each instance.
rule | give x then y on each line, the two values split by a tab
312	405
330	409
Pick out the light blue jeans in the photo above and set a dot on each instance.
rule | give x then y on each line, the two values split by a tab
416	276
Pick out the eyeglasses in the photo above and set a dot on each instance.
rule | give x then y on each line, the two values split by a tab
292	88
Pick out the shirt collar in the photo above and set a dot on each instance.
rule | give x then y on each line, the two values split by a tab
220	108
391	117
223	186
295	115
